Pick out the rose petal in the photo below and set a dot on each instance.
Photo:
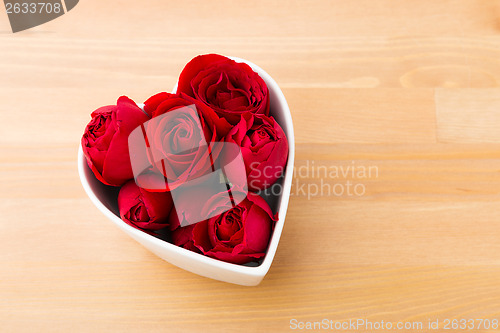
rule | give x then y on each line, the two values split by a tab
193	68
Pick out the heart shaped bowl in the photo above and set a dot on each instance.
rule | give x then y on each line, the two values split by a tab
105	199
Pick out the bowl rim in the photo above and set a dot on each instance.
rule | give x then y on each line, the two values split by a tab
260	270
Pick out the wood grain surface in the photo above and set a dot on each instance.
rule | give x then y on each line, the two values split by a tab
409	88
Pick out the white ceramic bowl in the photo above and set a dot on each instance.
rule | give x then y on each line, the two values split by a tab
105	199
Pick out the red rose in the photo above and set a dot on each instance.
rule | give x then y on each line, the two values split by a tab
238	235
105	141
264	147
230	88
143	209
163	102
183	237
179	142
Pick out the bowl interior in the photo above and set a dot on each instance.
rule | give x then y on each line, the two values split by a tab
106	197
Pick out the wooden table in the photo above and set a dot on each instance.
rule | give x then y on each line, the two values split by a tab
409	88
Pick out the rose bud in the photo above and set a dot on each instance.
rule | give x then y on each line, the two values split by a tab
230	88
264	147
183	237
238	235
105	141
142	209
163	102
180	136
